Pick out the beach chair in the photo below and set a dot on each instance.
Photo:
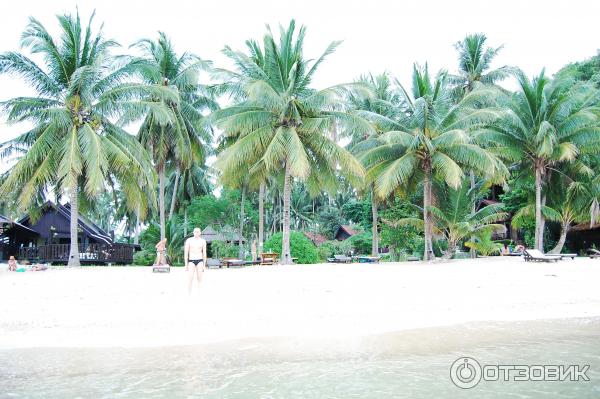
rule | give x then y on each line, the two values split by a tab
212	262
593	253
161	269
368	259
342	259
534	255
233	262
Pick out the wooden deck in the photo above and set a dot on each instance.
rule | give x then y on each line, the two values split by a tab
92	254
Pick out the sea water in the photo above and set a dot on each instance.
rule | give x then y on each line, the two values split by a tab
406	364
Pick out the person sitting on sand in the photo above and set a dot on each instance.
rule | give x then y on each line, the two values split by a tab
505	249
12	264
161	248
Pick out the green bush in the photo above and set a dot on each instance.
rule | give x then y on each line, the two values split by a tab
334	247
222	249
300	247
361	243
144	258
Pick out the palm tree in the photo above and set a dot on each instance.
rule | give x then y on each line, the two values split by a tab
453	217
474	62
184	185
283	123
74	146
385	102
183	141
547	123
432	139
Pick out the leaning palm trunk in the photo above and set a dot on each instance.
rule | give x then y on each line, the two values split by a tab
375	241
539	232
428	252
161	200
450	250
564	230
74	253
240	242
286	257
261	217
174	195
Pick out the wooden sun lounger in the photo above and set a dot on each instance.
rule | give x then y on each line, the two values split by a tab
534	255
233	262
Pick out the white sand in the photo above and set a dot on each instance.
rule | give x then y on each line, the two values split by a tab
118	306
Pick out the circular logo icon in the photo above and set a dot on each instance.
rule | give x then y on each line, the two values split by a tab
465	372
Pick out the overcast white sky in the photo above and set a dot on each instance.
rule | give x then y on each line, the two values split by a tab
377	35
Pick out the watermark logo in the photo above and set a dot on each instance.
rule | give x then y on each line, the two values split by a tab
466	372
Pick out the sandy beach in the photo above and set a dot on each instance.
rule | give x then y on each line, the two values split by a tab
132	307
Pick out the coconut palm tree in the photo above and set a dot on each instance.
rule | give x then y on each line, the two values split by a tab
74	145
182	142
384	101
283	123
432	139
548	123
474	63
453	217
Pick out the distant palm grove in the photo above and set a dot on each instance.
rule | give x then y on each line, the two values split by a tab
151	141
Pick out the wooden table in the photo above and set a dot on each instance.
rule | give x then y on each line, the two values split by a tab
269	258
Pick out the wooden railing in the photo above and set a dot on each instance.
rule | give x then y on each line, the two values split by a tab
92	253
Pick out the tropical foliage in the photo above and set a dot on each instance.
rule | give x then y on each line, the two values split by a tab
449	163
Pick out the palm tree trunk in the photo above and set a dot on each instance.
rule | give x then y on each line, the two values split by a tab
286	257
473	251
538	209
375	241
161	200
241	231
185	222
428	252
174	195
261	217
450	251
74	252
561	241
136	236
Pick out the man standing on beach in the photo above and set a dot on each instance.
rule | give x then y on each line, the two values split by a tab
194	256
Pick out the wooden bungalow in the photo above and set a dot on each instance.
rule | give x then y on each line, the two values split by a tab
316	238
47	239
583	237
227	234
344	232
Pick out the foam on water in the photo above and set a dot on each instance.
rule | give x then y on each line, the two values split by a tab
412	363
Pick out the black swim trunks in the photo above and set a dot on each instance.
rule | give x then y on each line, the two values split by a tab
196	261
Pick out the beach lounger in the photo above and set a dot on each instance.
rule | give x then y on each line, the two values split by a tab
368	259
342	259
212	262
161	269
563	256
233	262
593	253
534	255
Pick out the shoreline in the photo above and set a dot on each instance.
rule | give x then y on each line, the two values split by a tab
130	307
